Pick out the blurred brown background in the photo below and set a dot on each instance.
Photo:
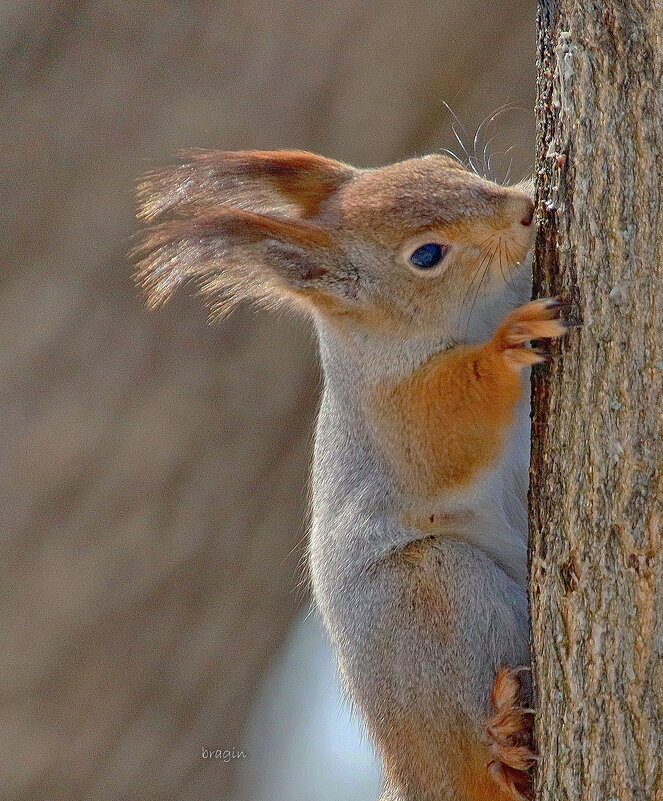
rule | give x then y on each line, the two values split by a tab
154	467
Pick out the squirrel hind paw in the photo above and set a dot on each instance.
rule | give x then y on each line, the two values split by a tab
510	730
514	783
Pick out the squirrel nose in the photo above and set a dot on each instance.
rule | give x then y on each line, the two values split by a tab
527	218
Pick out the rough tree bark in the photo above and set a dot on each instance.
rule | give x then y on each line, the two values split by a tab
596	495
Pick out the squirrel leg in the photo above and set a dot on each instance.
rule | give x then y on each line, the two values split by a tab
511	732
448	420
439	615
538	319
511	726
438	618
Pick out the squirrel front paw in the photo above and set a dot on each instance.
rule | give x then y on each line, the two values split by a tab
511	732
538	319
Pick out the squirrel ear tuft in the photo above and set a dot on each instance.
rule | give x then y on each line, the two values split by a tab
291	182
234	254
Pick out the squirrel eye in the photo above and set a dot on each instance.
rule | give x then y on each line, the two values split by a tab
427	256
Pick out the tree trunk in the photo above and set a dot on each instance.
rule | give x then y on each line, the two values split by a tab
596	494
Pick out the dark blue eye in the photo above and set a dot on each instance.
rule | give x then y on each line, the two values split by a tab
427	256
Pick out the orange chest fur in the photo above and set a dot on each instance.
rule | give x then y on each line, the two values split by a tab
443	424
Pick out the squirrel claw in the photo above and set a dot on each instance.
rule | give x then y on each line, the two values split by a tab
538	319
556	303
511	732
511	781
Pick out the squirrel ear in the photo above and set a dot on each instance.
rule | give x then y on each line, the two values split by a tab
234	254
292	182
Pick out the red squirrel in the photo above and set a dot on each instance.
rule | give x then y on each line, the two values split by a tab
415	276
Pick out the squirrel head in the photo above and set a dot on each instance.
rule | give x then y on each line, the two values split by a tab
398	249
